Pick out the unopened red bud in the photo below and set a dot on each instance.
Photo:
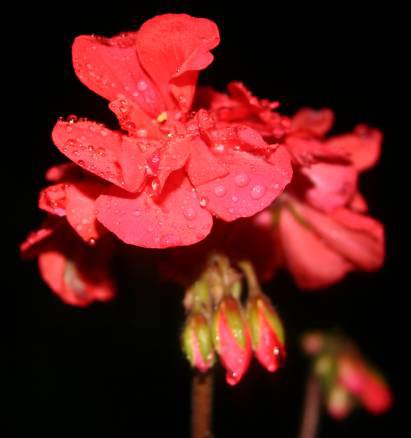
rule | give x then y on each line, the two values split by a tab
197	343
267	332
232	339
339	402
376	395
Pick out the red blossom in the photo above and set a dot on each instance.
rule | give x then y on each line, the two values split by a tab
169	171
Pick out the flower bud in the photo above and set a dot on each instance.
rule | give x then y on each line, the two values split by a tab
376	395
267	332
232	339
196	342
338	402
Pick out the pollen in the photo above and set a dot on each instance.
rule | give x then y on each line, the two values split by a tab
162	117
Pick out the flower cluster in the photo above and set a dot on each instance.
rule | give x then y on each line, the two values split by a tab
346	378
217	323
185	157
236	189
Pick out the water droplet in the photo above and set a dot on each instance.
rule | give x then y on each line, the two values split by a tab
242	179
142	85
72	119
142	133
169	240
92	242
257	192
232	378
189	213
203	201
136	212
155	185
218	148
231	210
276	186
81	163
220	191
234	199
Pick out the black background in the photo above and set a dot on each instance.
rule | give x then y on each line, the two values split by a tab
116	370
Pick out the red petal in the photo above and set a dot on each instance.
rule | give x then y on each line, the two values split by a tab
308	150
358	238
252	184
53	199
176	219
333	185
36	239
315	122
363	146
110	67
172	48
103	152
65	278
80	207
311	262
173	156
63	172
203	166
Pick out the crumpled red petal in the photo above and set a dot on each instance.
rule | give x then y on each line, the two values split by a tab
172	48
175	218
103	152
315	122
363	146
308	150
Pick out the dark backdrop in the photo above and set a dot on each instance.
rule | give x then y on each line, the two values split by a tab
116	370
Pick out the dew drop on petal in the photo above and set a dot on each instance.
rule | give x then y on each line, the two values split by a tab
189	213
257	192
232	378
220	191
142	85
169	240
242	179
218	148
203	201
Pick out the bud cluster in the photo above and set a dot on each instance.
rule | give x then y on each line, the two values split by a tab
345	376
221	321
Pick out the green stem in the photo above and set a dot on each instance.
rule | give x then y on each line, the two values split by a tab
202	405
312	408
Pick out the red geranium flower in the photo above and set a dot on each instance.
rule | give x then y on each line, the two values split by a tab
169	170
